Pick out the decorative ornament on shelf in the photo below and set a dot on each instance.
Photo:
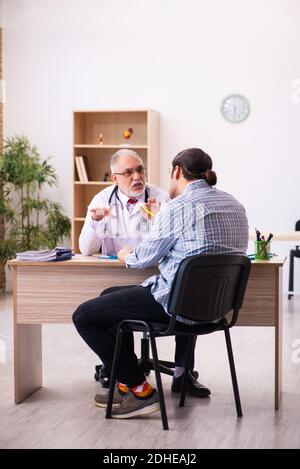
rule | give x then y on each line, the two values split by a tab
100	139
128	133
105	177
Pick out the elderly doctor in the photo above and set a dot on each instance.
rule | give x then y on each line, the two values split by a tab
118	217
114	214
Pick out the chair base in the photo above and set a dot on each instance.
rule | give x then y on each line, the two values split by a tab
145	363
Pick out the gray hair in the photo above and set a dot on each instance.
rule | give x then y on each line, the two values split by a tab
118	154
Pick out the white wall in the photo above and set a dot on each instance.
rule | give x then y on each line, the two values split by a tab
180	57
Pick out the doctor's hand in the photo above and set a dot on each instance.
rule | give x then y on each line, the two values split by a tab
124	252
99	213
150	209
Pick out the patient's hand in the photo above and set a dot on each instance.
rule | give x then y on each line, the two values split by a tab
124	252
150	209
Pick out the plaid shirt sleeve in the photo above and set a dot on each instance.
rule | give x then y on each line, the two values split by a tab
157	245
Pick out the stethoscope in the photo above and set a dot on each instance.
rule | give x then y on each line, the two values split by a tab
118	201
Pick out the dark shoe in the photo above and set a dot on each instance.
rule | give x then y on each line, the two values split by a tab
132	406
102	376
193	388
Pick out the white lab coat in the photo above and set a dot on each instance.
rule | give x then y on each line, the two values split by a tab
123	228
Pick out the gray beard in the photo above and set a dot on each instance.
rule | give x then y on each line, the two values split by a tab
134	194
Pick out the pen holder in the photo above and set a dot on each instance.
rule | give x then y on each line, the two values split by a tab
262	250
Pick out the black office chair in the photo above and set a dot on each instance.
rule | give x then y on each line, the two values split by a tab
293	253
205	289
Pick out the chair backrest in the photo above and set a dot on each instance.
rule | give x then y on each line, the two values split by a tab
207	287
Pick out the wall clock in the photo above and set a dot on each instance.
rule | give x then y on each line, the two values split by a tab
235	108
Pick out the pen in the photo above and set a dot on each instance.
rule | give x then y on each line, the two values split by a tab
103	256
270	237
148	211
257	235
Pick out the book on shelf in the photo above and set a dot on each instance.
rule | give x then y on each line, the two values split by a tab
83	169
87	168
78	168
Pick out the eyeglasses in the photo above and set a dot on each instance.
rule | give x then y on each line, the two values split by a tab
129	172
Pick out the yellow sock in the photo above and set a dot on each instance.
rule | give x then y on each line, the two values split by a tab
143	390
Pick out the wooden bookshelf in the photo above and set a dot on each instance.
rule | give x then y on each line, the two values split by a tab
88	125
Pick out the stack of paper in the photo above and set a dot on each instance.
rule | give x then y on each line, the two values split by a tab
46	255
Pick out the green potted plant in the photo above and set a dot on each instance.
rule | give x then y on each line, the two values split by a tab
31	222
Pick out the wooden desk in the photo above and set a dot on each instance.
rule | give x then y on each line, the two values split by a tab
49	292
291	236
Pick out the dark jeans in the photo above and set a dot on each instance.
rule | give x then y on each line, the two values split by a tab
96	321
